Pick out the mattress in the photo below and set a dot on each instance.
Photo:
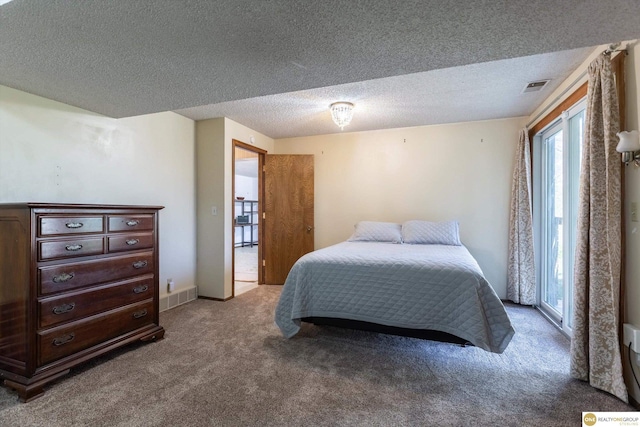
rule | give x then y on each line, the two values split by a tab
431	287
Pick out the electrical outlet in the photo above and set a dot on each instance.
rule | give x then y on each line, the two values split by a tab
171	286
634	211
631	334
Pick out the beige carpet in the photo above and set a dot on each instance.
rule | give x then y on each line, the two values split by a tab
226	364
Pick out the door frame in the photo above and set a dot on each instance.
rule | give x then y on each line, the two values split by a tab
261	153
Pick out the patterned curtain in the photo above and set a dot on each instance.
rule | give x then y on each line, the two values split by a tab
595	351
521	276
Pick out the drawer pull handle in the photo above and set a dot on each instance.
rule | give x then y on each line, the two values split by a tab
140	289
64	277
63	340
139	314
64	308
132	242
73	247
74	224
139	264
133	222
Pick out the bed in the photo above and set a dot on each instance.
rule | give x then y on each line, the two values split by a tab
402	281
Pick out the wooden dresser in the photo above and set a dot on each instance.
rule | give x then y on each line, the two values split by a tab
76	281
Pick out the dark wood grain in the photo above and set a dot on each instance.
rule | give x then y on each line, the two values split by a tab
130	242
69	293
90	331
55	279
49	250
93	300
130	222
14	288
55	225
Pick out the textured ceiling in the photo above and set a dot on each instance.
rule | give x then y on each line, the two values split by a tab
472	92
276	65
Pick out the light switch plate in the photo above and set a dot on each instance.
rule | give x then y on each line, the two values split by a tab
631	334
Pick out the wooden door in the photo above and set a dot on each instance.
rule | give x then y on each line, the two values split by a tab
288	209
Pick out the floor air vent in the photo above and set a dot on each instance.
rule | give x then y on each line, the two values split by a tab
177	298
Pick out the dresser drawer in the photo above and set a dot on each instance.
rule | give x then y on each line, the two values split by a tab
129	242
67	339
48	250
60	225
65	277
130	222
70	306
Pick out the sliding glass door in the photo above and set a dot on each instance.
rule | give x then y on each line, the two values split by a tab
557	154
552	295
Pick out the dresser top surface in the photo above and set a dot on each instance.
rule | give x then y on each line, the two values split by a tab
72	206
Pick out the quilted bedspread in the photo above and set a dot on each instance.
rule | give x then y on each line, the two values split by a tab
434	287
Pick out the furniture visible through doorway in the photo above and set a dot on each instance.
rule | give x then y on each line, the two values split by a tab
246	219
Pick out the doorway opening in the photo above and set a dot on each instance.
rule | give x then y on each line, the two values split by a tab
247	208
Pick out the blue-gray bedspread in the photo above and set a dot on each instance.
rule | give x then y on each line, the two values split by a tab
435	287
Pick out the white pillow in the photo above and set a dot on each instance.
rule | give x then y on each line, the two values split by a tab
371	231
431	233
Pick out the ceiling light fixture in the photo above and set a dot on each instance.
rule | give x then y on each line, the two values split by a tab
341	113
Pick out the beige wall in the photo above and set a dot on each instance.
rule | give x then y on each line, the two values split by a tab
210	187
632	194
52	152
214	155
458	171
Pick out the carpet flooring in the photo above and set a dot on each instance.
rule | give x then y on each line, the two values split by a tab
214	370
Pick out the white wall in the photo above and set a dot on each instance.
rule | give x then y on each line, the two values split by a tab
52	152
247	186
214	142
459	171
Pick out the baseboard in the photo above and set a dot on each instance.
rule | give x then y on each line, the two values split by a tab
215	299
177	298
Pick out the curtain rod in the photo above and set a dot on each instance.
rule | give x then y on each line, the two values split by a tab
608	51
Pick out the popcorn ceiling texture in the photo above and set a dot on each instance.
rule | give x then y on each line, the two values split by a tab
123	58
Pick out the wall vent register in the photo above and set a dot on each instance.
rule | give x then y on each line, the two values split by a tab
535	86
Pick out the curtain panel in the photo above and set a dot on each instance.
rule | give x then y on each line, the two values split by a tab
595	351
521	276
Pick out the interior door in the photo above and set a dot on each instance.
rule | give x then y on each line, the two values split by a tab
288	213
